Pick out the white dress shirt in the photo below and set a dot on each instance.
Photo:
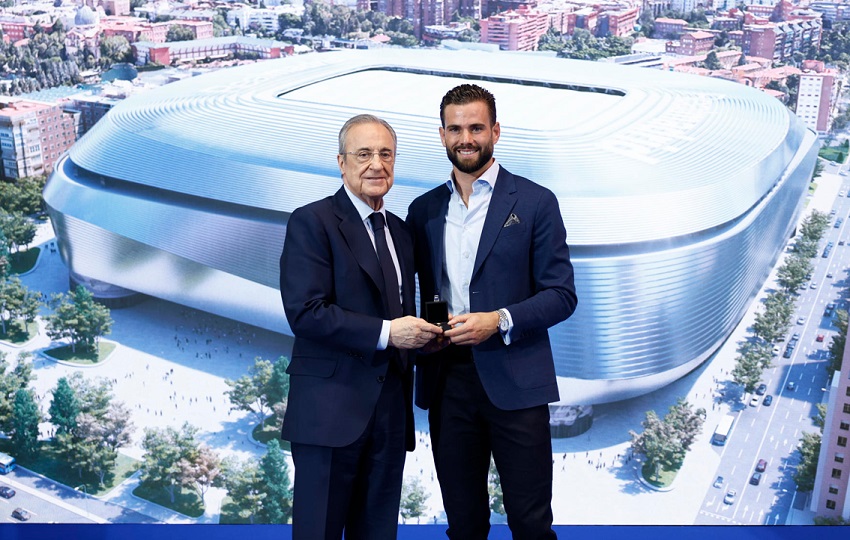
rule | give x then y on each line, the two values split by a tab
365	211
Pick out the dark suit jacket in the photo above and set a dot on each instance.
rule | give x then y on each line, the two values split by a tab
524	267
331	283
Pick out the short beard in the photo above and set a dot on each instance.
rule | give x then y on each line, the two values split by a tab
484	156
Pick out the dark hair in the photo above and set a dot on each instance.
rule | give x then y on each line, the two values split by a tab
363	119
468	93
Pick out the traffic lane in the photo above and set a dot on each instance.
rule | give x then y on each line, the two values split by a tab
86	506
41	510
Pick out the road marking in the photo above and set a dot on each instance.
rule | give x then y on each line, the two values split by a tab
53	500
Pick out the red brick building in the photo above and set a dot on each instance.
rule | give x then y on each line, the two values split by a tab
515	30
33	135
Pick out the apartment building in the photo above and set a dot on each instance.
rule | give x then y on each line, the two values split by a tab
33	135
830	496
515	30
817	96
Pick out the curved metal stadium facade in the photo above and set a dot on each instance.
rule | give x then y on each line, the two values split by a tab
678	192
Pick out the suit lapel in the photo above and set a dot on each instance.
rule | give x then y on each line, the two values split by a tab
501	203
435	230
401	237
352	229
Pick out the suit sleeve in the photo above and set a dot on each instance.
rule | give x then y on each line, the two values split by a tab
553	296
311	270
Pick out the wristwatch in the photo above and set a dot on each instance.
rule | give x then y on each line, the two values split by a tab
504	325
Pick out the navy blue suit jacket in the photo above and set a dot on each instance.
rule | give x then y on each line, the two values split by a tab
524	267
331	285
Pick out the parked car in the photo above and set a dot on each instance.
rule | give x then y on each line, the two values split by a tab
755	479
791	386
21	514
718	481
6	492
768	399
730	496
801	320
762	388
754	401
819	338
761	465
830	307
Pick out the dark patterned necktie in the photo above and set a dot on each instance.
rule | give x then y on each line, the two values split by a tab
391	296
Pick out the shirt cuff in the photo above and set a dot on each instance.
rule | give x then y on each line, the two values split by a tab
384	339
506	337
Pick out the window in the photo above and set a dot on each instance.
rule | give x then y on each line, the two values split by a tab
839	457
847	407
836	473
847	390
830	504
842	441
833	489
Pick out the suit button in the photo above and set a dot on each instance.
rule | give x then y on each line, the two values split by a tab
381	378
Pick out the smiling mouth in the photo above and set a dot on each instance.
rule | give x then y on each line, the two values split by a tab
466	151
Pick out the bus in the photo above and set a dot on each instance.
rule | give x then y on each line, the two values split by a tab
723	430
7	463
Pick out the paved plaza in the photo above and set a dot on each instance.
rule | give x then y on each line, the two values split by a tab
171	362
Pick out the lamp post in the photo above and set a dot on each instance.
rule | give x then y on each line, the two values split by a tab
86	494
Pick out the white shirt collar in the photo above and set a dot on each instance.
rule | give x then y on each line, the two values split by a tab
362	208
488	176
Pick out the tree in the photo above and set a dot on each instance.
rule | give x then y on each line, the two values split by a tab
18	378
277	389
274	472
806	471
494	490
748	368
659	444
250	392
245	487
164	450
116	426
79	318
839	341
64	407
17	229
712	62
25	419
793	272
200	469
19	306
179	33
413	497
686	422
115	50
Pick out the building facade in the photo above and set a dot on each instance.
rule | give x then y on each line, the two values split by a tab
33	136
515	30
831	496
817	97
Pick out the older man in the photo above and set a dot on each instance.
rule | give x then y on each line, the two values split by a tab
347	283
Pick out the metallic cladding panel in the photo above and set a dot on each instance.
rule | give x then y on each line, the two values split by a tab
678	192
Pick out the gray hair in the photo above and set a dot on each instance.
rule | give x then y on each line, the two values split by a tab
363	119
